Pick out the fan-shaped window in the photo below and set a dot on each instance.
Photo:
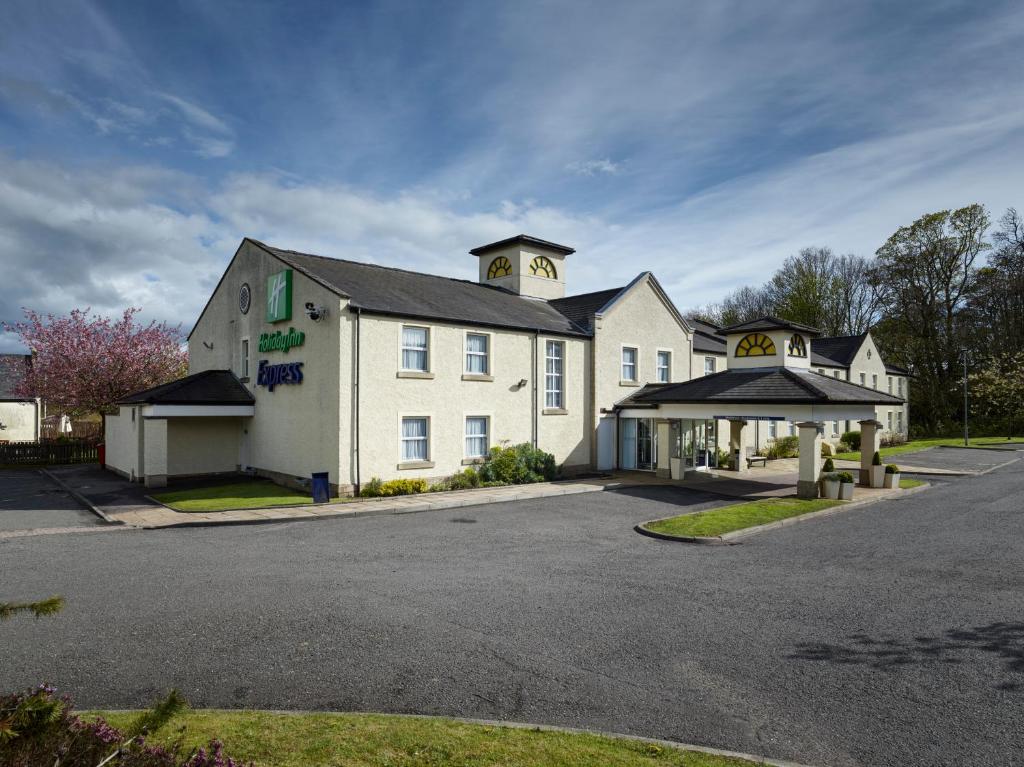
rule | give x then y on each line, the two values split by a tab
755	345
500	267
542	267
797	346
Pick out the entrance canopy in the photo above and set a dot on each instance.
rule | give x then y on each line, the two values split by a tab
211	393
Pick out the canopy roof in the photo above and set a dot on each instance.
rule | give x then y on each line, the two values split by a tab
210	387
768	323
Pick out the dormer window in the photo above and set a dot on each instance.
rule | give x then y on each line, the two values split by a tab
500	267
542	267
755	345
797	346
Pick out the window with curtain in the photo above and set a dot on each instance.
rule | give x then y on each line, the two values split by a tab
414	348
773	429
628	363
863	379
874	381
477	361
554	381
709	365
890	384
476	437
414	439
899	386
664	367
888	420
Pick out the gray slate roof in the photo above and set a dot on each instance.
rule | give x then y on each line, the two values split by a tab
210	387
706	338
776	385
837	350
522	239
769	323
386	290
582	308
13	369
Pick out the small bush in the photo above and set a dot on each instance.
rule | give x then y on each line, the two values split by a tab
893	440
852	438
461	480
876	459
892	469
826	450
829	466
845	476
783	447
831	476
377	489
843	447
517	465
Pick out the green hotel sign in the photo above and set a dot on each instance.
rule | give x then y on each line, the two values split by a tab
281	342
279	296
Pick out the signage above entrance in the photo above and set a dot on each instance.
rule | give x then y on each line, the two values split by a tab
748	417
271	342
279	296
274	375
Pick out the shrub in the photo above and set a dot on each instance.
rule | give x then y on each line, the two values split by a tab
377	489
892	469
843	447
831	476
852	438
826	450
829	466
893	440
845	476
517	465
783	447
39	728
876	459
460	480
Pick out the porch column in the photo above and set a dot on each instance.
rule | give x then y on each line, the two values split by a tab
870	432
737	445
154	451
810	459
664	449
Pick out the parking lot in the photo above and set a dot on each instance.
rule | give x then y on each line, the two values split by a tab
891	634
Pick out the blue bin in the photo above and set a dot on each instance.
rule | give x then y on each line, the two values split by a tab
321	487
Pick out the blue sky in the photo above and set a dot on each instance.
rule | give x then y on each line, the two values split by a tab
140	141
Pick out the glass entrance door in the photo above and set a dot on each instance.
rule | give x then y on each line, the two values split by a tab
638	444
644	444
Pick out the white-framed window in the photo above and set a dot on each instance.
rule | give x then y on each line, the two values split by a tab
478	354
554	374
874	380
664	367
890	384
477	443
792	429
888	420
863	379
773	429
709	365
837	373
415	439
899	386
415	348
243	359
629	355
899	421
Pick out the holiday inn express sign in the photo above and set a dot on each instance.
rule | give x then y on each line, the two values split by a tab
278	341
279	296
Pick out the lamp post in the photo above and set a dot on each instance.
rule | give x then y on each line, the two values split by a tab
965	355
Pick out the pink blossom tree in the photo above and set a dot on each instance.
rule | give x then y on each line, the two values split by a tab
82	364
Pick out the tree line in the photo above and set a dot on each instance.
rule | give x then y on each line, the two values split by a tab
951	283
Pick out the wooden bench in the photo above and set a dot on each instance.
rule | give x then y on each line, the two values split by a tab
751	460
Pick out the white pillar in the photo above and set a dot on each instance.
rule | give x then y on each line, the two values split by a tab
155	451
810	459
738	445
869	444
664	449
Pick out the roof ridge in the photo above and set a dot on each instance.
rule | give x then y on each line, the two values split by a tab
588	294
806	384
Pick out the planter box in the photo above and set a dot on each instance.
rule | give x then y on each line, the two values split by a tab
845	491
877	476
830	489
892	480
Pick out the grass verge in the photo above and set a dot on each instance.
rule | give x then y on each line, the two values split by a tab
728	519
921	444
906	484
239	495
378	740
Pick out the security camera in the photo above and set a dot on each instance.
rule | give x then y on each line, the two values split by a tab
315	313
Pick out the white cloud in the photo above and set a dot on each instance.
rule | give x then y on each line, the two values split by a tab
593	167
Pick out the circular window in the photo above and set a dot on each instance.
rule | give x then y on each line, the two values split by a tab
244	298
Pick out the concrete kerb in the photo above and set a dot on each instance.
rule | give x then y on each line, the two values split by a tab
736	536
79	497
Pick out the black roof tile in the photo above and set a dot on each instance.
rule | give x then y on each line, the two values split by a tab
769	323
210	387
582	308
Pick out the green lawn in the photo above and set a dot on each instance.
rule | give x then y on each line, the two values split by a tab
906	484
377	740
921	444
239	495
738	516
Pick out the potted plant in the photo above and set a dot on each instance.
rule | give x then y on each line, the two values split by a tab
877	476
892	475
845	486
830	485
827	468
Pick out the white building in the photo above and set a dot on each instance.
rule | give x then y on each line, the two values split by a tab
300	363
20	416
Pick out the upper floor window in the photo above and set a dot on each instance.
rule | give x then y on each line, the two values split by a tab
890	384
797	346
554	380
863	379
243	363
755	345
415	352
899	386
542	267
628	363
709	365
664	367
477	354
500	267
874	381
836	373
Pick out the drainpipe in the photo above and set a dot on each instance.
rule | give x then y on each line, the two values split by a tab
533	408
358	345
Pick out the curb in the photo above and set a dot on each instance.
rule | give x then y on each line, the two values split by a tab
672	744
79	497
1010	447
732	537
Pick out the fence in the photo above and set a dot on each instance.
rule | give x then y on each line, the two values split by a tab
47	453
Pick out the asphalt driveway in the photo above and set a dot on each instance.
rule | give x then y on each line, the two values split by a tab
29	500
892	634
